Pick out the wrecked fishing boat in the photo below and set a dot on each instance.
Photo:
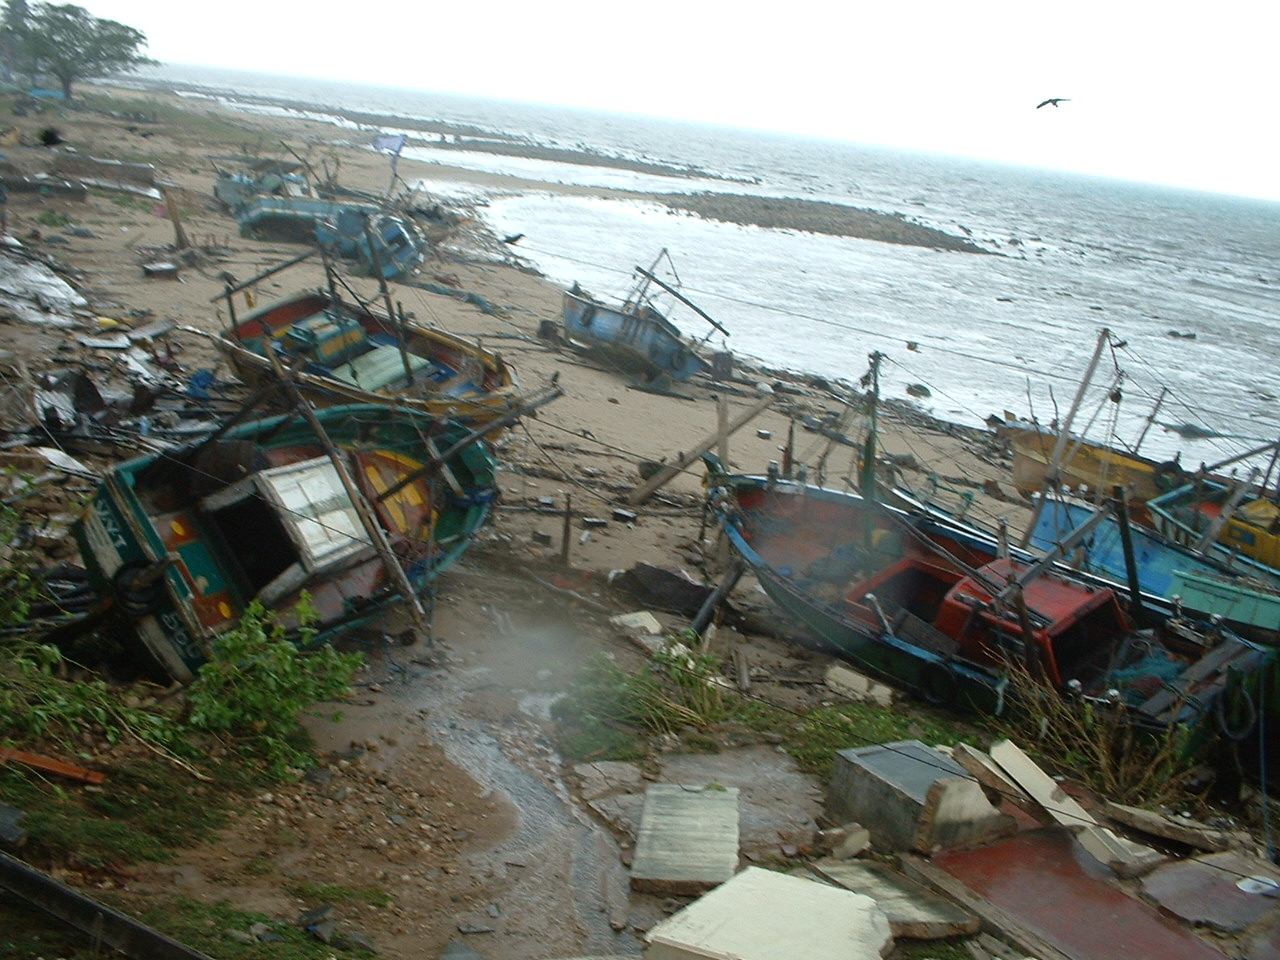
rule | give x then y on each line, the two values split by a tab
635	336
342	351
1239	589
378	242
937	607
344	510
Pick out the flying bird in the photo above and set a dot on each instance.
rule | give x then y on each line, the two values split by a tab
1054	100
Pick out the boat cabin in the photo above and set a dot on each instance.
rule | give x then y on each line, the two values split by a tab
932	602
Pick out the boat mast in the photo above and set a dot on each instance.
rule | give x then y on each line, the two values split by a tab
1151	418
1053	474
397	322
633	301
867	480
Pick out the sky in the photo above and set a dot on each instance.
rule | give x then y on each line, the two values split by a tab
1170	93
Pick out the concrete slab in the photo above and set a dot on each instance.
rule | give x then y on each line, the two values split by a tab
858	686
777	803
763	915
1213	891
605	777
1126	858
911	797
913	911
1182	830
687	841
1265	943
1045	881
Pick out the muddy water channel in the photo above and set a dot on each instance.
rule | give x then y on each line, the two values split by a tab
547	873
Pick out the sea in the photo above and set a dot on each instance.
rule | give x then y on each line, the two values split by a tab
1187	284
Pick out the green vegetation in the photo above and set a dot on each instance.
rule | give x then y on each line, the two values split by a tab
209	929
336	893
611	714
1099	746
257	684
67	43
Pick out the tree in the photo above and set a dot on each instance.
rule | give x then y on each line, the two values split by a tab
69	43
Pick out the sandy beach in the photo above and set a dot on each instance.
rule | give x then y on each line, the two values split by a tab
457	728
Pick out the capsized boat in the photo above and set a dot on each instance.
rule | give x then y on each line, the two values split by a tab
366	510
635	336
379	242
343	351
936	607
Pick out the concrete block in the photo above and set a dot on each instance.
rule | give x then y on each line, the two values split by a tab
912	797
913	911
762	915
687	841
1126	858
856	686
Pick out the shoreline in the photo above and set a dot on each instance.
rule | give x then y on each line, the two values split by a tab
781	213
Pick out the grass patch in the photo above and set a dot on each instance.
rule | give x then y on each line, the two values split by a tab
610	714
143	811
337	893
205	928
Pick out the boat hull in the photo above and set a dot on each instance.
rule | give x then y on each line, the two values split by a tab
919	601
1246	594
446	375
183	542
640	341
1093	468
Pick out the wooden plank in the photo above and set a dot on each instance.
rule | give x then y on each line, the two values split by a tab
1164	698
664	476
98	921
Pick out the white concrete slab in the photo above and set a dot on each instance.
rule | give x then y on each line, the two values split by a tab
763	915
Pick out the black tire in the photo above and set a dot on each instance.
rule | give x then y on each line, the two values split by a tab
135	598
937	684
1168	476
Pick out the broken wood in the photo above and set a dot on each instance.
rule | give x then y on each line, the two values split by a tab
102	923
50	765
664	476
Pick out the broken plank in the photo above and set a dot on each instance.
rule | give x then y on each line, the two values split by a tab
664	476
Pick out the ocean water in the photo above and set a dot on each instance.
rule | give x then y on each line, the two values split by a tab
1188	283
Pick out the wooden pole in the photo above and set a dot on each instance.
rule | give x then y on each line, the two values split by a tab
566	529
664	476
1053	475
358	502
180	236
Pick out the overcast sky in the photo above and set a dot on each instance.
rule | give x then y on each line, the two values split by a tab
1170	93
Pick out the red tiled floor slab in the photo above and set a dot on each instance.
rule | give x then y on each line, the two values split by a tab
1044	880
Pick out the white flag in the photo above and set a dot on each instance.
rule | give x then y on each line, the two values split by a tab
390	142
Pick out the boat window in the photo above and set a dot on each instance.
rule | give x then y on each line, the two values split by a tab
254	543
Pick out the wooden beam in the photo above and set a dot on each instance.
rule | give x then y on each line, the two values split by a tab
665	475
94	919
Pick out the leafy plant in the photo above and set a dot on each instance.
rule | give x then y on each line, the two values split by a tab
52	218
257	683
1098	743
